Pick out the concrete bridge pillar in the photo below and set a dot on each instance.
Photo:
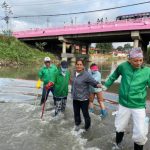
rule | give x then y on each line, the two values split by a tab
135	35
88	48
136	43
73	59
64	47
143	45
80	49
87	51
139	42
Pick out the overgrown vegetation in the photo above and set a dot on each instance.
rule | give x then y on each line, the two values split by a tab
12	51
104	47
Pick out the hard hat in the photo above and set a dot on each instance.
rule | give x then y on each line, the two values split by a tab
46	59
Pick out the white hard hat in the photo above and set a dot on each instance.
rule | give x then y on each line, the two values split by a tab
47	59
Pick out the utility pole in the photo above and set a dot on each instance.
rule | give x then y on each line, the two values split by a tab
75	20
8	13
71	21
47	22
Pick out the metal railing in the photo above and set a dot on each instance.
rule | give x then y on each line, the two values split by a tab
85	28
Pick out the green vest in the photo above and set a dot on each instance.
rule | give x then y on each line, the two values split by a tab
47	74
133	86
61	84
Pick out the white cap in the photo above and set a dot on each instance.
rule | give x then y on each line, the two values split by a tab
47	59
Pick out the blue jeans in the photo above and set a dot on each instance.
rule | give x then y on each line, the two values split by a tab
45	94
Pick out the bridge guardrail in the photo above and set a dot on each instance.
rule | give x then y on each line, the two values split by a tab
85	28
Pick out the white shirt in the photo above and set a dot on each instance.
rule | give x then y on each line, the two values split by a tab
77	73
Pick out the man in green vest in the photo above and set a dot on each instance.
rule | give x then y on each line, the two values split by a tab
61	83
135	78
47	75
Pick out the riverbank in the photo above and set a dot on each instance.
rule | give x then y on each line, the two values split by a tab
14	53
104	57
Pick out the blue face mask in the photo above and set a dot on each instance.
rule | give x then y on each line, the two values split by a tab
64	70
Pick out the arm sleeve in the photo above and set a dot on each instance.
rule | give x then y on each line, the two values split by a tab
54	77
98	77
149	81
40	74
91	81
54	74
113	77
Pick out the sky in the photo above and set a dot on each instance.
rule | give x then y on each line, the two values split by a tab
50	7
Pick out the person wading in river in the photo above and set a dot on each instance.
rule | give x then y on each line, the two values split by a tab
61	83
132	98
80	93
47	75
94	71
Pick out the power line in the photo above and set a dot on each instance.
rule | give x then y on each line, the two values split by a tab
41	3
83	12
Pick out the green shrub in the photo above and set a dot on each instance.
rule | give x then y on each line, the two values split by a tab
13	50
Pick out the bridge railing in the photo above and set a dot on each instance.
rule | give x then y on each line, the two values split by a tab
84	28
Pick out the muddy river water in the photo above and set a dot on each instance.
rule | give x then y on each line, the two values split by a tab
22	129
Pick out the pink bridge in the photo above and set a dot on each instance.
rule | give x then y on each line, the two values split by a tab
123	25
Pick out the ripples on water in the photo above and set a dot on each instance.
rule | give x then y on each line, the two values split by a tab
22	129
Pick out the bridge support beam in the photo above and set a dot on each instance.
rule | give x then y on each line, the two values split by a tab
136	43
139	42
87	50
80	48
64	47
135	35
65	41
73	59
143	45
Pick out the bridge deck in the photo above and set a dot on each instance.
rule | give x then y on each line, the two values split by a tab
122	25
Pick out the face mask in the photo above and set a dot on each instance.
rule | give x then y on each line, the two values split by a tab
93	72
64	70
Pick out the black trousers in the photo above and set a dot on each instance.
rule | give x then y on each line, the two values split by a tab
45	94
81	105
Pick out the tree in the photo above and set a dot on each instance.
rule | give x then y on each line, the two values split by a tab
104	47
127	46
7	32
119	48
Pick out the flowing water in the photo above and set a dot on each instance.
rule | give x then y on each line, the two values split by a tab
22	129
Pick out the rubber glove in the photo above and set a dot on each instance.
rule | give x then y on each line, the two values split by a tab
49	85
38	84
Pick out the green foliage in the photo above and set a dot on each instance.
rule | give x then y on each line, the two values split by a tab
104	47
12	50
127	46
7	32
120	48
91	51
